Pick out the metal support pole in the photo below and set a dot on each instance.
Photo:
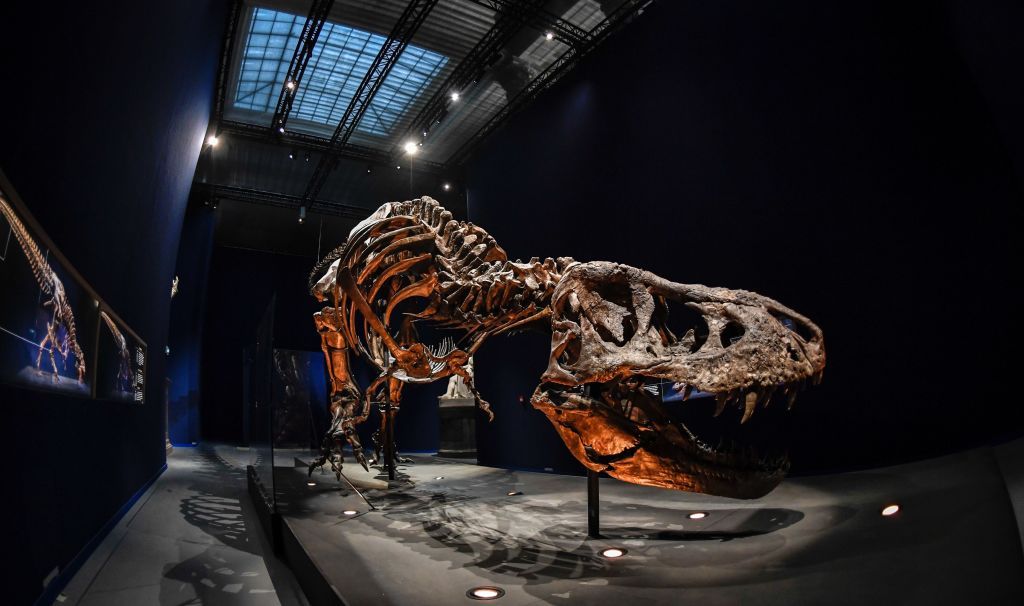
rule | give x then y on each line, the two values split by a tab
593	505
389	435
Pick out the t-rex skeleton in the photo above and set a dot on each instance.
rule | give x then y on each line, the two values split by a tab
124	364
411	262
52	287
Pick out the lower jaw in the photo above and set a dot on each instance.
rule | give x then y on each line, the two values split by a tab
658	464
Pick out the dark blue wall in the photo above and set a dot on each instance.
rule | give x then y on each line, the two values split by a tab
838	157
105	108
187	316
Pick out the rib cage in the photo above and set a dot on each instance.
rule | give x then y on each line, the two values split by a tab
416	249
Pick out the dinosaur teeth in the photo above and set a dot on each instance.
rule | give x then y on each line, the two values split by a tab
792	398
720	401
750	403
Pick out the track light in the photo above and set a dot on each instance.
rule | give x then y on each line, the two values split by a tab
212	140
447	187
454	96
302	215
307	156
410	147
549	36
399	167
280	129
289	85
291	155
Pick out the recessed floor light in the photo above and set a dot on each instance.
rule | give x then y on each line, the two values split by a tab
613	552
514	493
698	515
310	483
485	593
350	512
438	477
890	510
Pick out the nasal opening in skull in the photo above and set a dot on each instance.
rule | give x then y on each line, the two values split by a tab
732	333
682	323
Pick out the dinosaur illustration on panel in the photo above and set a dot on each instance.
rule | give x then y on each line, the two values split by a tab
124	357
410	264
61	336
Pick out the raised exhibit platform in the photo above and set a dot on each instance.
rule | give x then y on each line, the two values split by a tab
452	527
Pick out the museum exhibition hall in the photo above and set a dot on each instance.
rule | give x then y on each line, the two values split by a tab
434	302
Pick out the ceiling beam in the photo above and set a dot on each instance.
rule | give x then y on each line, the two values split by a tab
611	23
321	145
542	20
318	12
403	31
507	23
211	192
227	49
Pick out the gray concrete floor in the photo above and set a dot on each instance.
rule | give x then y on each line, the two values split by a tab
192	538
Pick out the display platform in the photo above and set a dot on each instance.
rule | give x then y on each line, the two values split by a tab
452	527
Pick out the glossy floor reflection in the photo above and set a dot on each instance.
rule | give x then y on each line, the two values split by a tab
813	540
191	539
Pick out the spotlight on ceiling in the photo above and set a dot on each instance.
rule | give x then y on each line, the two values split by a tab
549	36
302	215
890	510
369	169
454	96
289	85
350	512
280	129
447	187
307	156
410	147
698	515
291	155
311	483
485	593
398	167
613	552
212	140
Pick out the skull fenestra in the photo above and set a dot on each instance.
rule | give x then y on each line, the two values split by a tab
614	354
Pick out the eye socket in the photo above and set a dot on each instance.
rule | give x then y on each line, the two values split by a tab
794	325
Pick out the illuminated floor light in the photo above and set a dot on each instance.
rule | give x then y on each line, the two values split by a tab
438	477
698	515
350	512
485	593
613	552
311	483
514	493
890	510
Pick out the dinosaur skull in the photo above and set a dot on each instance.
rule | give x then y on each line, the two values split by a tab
611	343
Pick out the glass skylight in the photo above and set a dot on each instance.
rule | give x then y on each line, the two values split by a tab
340	60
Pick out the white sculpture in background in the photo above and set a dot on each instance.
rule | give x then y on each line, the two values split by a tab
457	385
